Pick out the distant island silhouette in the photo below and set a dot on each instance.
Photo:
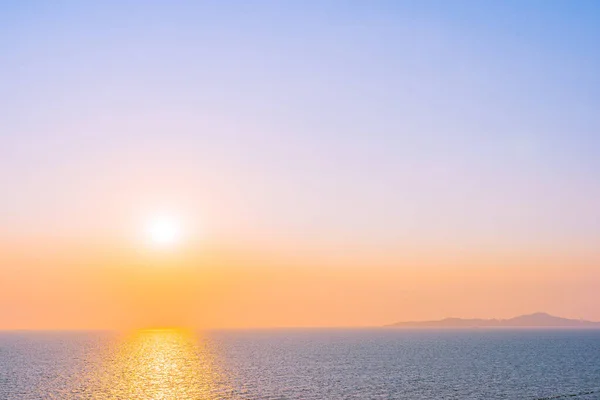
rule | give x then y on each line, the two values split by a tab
535	320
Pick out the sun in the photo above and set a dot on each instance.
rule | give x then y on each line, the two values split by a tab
164	230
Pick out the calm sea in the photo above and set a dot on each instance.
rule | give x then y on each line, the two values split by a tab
301	364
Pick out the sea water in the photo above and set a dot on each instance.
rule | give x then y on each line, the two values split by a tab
301	364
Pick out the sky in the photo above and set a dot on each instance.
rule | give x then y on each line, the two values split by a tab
335	163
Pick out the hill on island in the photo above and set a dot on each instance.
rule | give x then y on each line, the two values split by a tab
536	320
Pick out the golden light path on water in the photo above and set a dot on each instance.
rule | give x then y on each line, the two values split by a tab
158	364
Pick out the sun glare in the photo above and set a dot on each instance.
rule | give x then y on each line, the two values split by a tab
164	231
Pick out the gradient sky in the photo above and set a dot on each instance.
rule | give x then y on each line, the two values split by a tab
389	150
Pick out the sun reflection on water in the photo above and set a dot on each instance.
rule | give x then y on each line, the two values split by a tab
160	364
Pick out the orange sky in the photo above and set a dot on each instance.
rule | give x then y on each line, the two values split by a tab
334	166
71	286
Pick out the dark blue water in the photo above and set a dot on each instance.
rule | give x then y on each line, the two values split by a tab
301	364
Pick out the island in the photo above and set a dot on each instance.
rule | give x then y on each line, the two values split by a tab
535	320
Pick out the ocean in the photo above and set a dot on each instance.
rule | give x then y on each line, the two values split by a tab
301	364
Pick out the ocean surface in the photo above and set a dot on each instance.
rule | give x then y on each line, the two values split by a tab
301	364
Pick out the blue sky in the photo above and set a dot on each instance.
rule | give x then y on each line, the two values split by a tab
467	123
